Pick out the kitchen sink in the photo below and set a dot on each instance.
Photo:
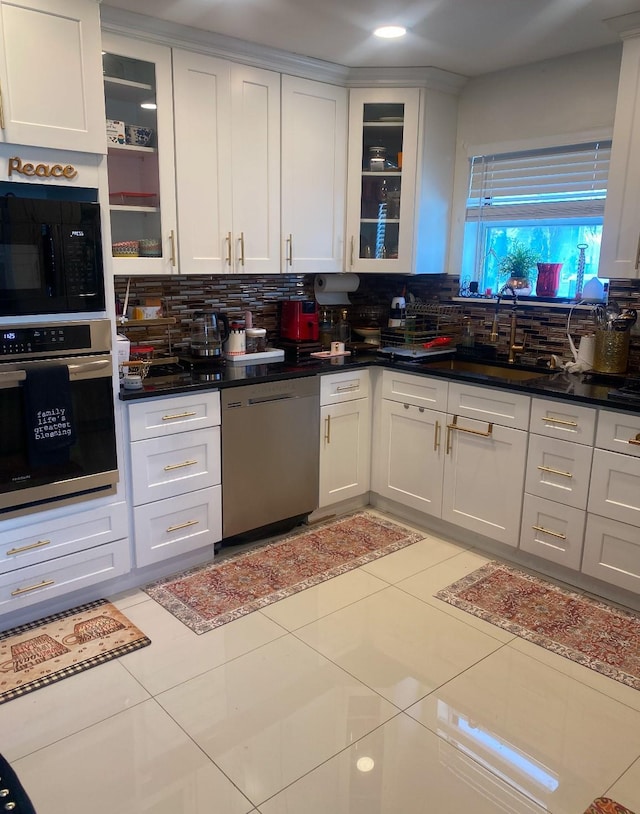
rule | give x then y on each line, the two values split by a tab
486	369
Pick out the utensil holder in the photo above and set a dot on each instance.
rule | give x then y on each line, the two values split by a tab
611	352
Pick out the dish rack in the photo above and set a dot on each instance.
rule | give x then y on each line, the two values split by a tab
423	323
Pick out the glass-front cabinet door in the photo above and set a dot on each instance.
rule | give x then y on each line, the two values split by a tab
383	147
140	160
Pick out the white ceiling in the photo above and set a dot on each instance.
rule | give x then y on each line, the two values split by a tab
468	37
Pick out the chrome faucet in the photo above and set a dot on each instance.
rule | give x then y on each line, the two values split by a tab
514	347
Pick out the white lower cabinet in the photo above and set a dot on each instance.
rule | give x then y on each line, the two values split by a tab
345	440
175	478
439	461
484	478
615	487
552	531
612	552
44	560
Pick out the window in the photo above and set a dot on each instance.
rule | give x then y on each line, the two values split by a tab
550	201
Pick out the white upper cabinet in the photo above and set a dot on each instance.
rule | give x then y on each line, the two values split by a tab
142	201
227	122
400	179
620	247
314	167
50	75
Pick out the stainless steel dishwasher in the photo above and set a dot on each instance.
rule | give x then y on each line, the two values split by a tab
270	453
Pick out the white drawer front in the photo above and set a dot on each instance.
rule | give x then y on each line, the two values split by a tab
175	464
152	418
421	391
612	552
552	531
174	527
346	386
559	419
494	406
39	542
558	470
619	432
615	487
37	583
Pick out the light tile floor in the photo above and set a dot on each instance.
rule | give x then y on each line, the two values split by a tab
362	694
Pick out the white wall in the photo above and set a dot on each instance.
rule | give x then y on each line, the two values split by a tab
557	101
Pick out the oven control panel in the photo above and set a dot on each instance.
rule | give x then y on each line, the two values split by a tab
53	339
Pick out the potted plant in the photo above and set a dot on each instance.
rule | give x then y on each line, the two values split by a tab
516	267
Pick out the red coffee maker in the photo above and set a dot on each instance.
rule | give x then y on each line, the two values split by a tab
299	320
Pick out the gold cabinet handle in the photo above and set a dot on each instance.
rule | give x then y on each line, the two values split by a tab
183	525
1	110
26	590
548	531
289	242
449	444
242	249
635	440
172	238
177	415
484	433
228	241
169	467
555	471
347	388
39	544
436	436
327	435
559	421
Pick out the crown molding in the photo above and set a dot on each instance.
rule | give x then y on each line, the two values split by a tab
626	25
140	26
422	77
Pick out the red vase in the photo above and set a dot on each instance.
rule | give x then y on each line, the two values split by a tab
548	279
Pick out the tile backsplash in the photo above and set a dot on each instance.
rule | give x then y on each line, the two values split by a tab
545	328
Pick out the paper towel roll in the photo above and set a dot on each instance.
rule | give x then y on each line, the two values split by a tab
333	289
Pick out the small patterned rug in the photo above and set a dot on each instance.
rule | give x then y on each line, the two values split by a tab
604	805
580	628
212	595
39	653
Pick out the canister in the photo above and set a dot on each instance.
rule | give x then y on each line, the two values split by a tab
611	352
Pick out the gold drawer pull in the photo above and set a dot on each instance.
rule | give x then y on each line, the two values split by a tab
42	584
347	388
560	421
485	434
552	533
555	471
169	467
177	415
327	435
39	544
436	436
635	440
183	525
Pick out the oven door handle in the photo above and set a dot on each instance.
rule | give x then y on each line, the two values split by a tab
86	369
82	370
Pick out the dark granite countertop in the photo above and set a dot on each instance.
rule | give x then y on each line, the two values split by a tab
587	388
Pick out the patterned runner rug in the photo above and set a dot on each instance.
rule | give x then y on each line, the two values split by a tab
604	805
212	595
585	630
56	647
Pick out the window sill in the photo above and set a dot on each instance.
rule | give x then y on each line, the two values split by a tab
530	302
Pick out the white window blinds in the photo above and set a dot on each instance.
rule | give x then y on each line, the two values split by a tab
559	182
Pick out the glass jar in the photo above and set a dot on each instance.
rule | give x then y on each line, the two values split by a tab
256	340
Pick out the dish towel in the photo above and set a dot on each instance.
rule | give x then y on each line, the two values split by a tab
48	415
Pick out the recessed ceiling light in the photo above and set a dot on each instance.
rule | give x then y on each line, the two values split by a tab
390	32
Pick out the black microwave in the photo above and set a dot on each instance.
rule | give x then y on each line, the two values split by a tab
50	257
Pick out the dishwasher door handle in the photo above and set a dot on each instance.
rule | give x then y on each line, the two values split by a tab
267	399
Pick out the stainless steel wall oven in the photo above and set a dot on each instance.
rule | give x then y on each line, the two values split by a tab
57	428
